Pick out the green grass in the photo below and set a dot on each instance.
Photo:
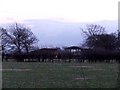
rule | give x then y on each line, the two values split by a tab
59	75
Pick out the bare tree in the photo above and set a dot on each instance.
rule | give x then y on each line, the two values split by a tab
91	32
18	38
93	29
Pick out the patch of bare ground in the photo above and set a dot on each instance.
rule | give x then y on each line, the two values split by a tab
81	78
15	69
83	66
95	69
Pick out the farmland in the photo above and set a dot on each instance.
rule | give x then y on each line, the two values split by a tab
59	75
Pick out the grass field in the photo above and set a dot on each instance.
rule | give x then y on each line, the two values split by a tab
59	75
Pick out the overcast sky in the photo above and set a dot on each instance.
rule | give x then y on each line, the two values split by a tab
73	10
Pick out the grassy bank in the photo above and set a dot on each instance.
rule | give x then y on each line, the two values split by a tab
59	75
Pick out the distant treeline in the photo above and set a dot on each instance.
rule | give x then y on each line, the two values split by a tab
20	44
68	54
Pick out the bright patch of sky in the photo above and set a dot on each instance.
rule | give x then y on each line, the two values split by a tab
71	10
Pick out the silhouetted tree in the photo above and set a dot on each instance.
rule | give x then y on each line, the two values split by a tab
18	38
91	33
118	39
4	41
96	37
106	41
93	30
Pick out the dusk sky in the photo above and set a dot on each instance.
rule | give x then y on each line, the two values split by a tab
58	22
71	10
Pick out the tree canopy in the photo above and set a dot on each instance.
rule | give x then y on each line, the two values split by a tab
96	37
18	38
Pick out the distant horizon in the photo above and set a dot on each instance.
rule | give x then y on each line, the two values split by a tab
12	20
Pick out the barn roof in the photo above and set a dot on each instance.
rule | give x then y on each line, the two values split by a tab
73	47
42	50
